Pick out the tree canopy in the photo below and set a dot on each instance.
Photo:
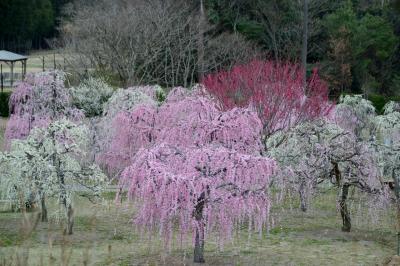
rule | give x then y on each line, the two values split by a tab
25	24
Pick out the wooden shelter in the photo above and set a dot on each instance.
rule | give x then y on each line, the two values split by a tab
11	59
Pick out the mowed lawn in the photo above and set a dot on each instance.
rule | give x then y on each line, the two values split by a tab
104	235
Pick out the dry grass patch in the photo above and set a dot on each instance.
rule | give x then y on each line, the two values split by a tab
104	236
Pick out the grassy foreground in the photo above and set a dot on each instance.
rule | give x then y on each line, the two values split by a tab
104	236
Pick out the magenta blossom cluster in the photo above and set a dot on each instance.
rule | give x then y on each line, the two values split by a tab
37	101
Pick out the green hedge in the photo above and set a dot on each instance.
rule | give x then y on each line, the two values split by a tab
4	98
378	101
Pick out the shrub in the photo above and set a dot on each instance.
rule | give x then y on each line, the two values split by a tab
378	101
4	107
155	92
91	95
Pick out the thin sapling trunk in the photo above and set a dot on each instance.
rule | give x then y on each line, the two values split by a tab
43	208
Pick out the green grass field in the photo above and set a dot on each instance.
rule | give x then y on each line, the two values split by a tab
104	236
35	61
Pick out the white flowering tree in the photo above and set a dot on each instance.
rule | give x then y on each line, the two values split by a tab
387	127
50	164
91	95
356	114
313	152
155	92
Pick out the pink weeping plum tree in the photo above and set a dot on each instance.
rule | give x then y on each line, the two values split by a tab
198	187
37	101
190	162
275	89
132	130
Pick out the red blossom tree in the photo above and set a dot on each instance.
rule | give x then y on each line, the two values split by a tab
275	90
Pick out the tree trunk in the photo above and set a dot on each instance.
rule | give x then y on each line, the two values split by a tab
199	237
69	212
44	208
70	219
304	50
344	212
30	203
199	244
67	205
303	196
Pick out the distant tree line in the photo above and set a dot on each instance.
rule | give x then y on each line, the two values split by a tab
26	24
354	43
165	42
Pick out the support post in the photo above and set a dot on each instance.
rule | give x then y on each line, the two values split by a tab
43	63
1	78
12	74
23	69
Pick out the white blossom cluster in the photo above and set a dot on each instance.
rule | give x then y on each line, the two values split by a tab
355	114
387	128
311	153
154	92
356	148
125	100
49	163
91	95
